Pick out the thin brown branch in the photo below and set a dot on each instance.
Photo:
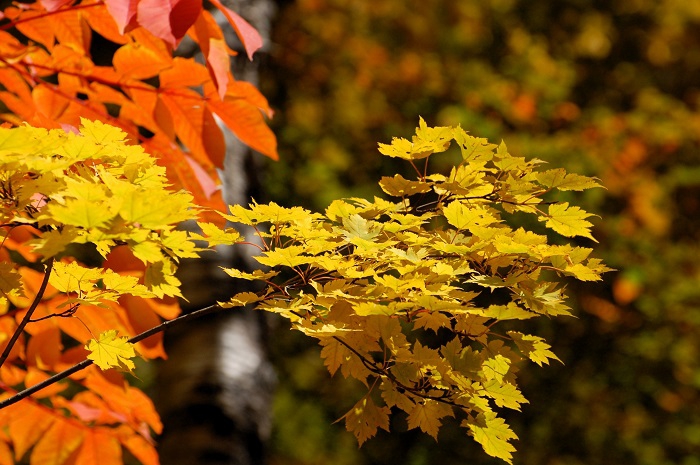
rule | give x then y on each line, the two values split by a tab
28	315
86	363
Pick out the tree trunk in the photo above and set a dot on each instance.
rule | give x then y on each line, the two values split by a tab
214	391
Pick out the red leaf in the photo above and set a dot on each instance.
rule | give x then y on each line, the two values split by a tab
246	33
53	5
207	184
123	12
168	19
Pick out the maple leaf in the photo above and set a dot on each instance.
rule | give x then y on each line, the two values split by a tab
559	179
493	435
534	347
426	415
364	418
504	394
568	221
110	351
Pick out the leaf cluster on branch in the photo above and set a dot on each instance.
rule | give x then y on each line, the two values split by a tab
405	295
401	294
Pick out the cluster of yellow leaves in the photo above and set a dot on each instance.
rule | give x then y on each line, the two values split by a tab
60	191
49	78
92	188
373	279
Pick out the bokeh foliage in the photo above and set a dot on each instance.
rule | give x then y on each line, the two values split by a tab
606	89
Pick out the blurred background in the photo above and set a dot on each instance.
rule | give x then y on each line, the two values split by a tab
603	88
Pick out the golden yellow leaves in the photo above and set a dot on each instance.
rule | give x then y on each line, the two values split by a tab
110	351
93	188
370	279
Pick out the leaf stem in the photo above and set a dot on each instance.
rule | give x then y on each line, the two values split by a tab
28	315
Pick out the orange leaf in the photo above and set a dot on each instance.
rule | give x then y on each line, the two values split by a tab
142	317
219	65
137	61
187	112
245	120
164	118
104	23
214	143
183	73
90	321
250	38
143	450
57	444
11	374
5	454
35	376
100	447
50	103
37	28
28	424
70	29
206	182
44	348
11	79
126	400
7	328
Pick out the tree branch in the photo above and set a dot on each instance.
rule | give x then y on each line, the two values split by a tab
28	315
86	363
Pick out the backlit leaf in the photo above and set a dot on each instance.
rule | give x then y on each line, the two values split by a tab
110	351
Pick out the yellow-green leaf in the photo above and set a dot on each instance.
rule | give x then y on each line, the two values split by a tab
493	434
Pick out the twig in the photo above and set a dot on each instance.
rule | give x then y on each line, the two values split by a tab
28	315
86	363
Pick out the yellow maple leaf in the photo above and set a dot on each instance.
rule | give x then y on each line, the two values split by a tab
568	221
493	434
110	351
426	415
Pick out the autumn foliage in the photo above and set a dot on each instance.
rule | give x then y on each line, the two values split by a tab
51	77
406	295
113	62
